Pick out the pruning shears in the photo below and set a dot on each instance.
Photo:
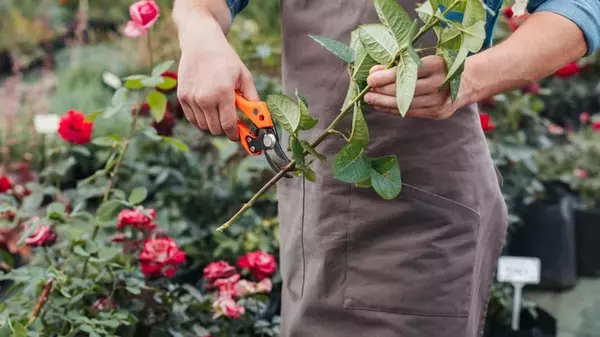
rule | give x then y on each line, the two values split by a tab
261	136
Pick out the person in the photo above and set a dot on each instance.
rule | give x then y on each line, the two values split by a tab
353	264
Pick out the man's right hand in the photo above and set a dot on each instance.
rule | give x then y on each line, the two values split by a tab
210	72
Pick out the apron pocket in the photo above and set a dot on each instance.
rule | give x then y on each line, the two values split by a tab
413	255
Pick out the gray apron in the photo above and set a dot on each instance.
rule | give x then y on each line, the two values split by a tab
355	265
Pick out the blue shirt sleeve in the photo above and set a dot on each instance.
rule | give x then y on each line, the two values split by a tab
236	6
584	13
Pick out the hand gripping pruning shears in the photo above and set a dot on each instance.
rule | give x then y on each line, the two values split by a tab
261	136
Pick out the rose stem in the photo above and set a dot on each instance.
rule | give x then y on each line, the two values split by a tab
331	127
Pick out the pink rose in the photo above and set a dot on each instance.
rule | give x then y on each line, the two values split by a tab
246	288
161	256
227	285
41	236
264	286
217	270
261	264
584	117
226	306
143	15
580	173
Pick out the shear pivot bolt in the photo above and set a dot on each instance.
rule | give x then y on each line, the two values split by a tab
269	141
252	149
249	139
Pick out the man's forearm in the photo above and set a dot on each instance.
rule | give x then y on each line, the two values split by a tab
188	14
543	44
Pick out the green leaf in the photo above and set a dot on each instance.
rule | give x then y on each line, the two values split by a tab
350	166
338	48
425	11
360	130
307	121
308	148
6	207
474	12
395	18
108	141
119	98
134	82
108	210
365	183
92	116
285	112
111	80
176	143
80	251
364	63
474	36
297	151
19	330
158	105
385	177
379	42
55	209
152	82
309	174
459	60
110	111
109	253
138	195
406	81
168	83
450	57
162	67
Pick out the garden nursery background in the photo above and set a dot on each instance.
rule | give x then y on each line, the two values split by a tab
110	199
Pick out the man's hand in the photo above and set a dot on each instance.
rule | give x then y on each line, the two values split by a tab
429	100
209	74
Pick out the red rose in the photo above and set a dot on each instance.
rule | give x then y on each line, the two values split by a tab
508	12
74	128
584	117
42	236
217	270
260	263
5	184
226	306
166	126
161	256
596	126
137	218
144	13
568	70
103	304
486	122
227	285
144	110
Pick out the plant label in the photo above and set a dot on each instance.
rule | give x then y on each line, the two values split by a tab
519	270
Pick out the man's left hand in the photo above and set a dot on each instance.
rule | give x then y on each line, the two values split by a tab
429	100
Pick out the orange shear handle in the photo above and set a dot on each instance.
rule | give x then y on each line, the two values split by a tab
258	112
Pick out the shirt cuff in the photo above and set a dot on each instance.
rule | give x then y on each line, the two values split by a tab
236	6
584	13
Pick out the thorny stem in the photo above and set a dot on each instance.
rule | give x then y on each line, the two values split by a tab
331	128
48	287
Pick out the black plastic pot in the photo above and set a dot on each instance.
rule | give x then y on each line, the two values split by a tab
548	233
542	324
587	228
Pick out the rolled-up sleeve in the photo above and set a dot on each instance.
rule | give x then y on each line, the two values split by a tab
584	13
236	6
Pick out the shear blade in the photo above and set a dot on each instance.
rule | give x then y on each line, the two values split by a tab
276	162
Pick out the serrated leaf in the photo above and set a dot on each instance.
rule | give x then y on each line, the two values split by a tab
308	148
385	177
379	42
459	60
176	143
337	48
363	64
350	165
285	112
138	195
392	15
307	121
162	67
157	102
297	151
360	130
406	81
80	251
108	210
